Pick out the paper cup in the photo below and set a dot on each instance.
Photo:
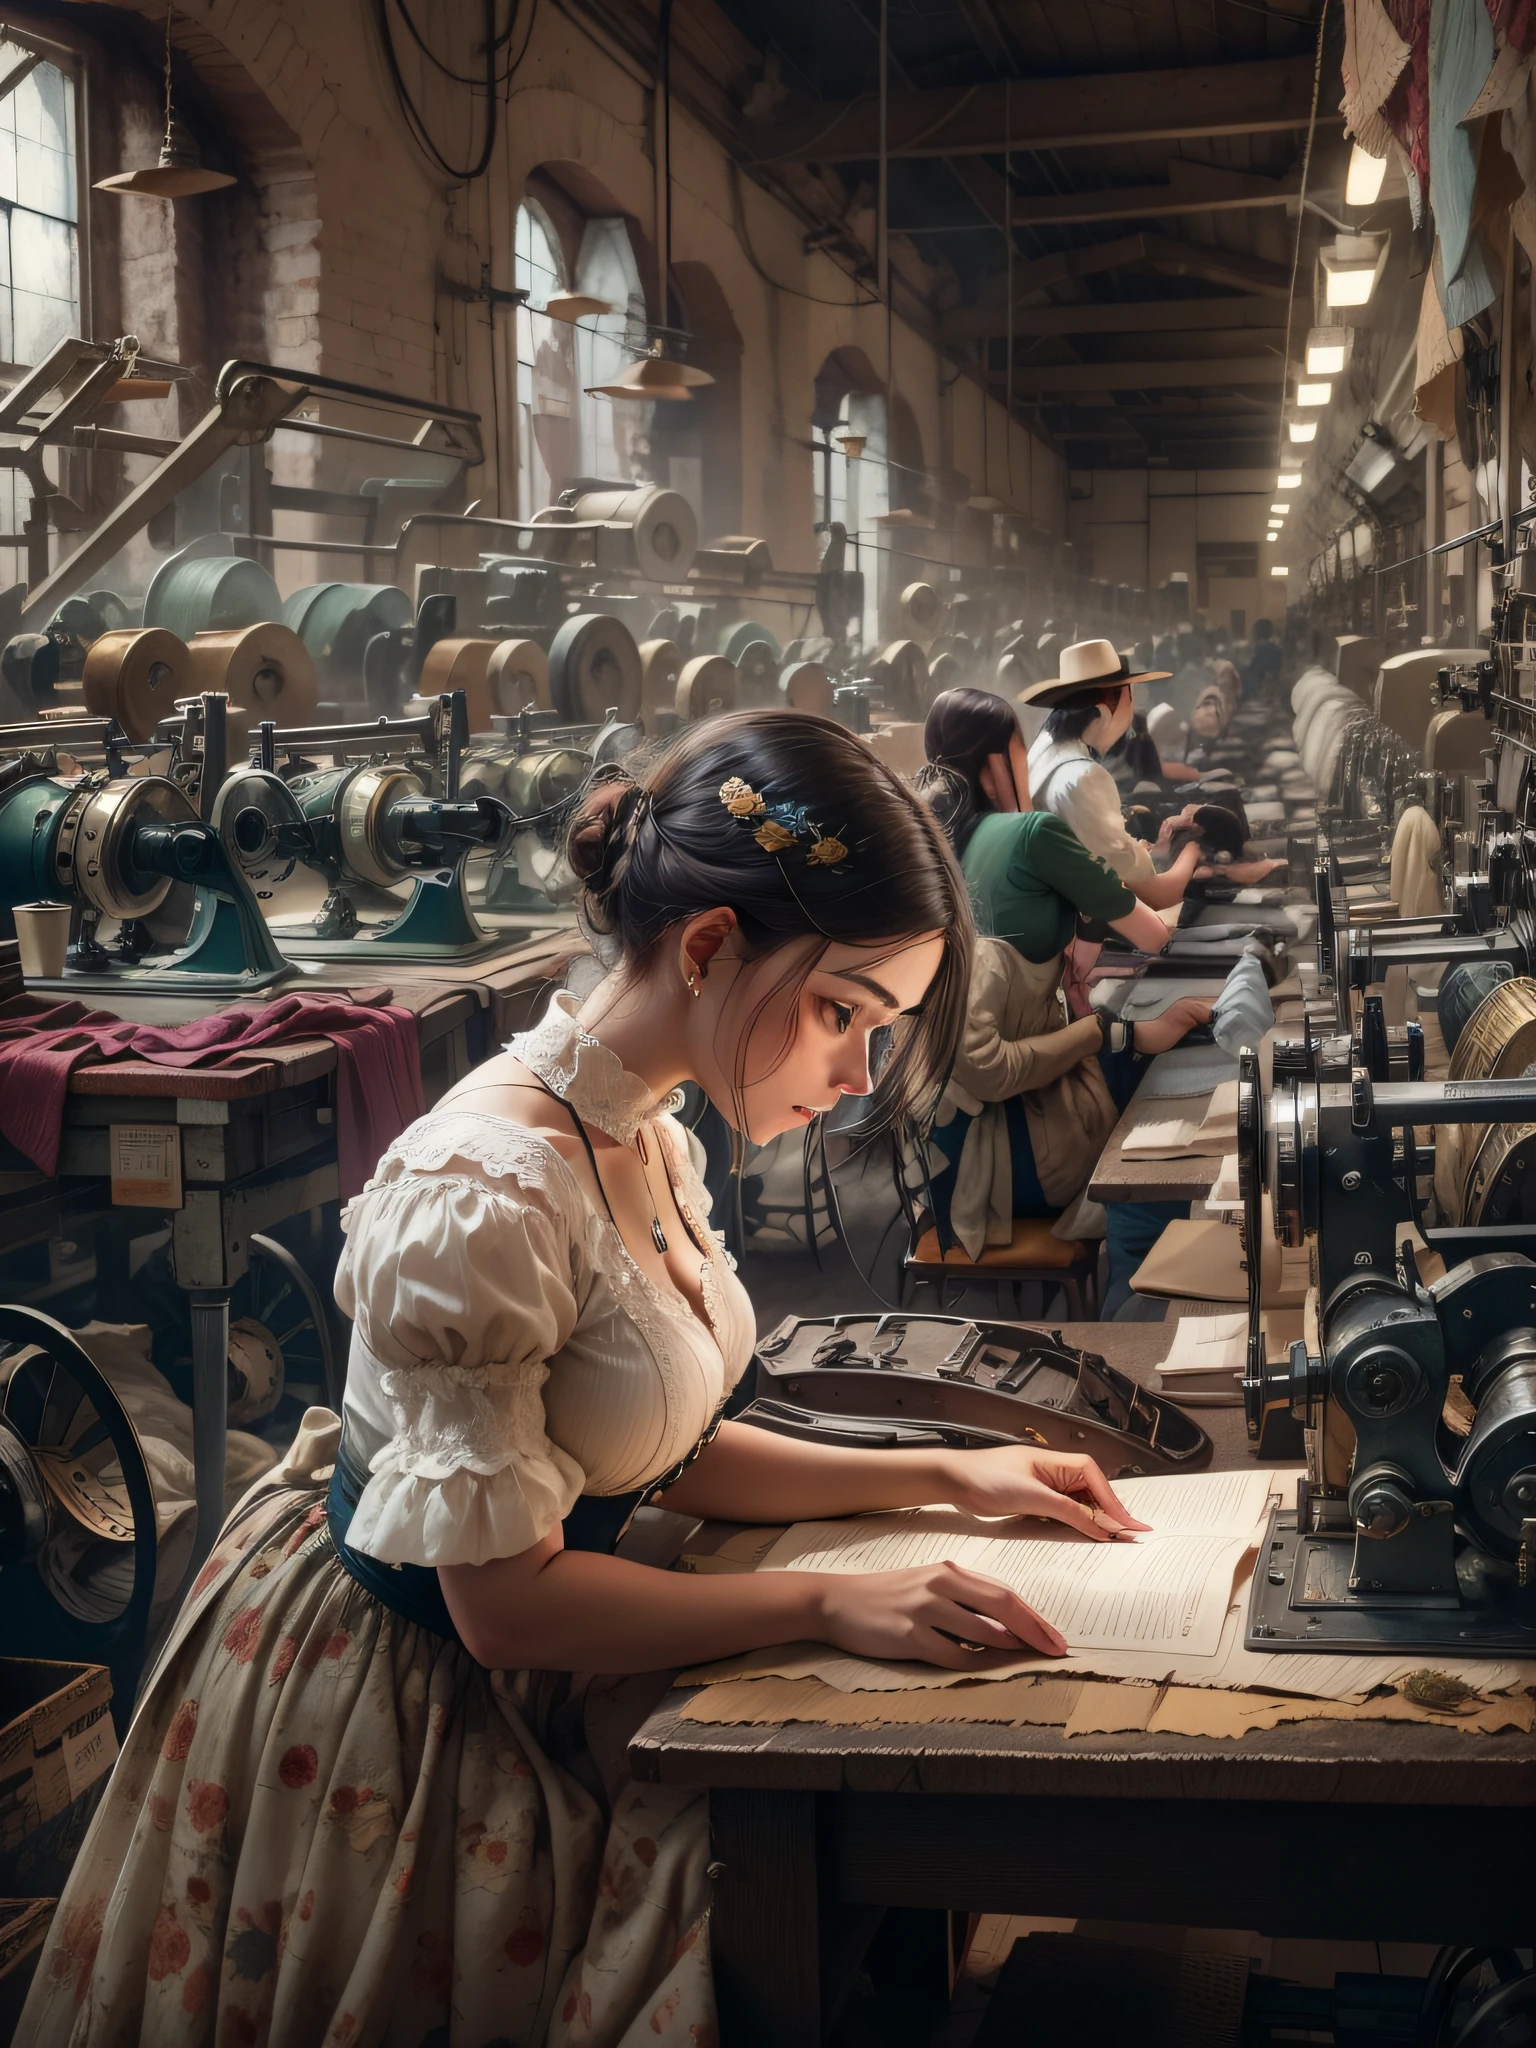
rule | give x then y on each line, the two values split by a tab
42	932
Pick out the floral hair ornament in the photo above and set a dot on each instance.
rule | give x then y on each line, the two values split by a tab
778	827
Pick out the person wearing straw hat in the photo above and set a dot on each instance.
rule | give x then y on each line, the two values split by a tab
1089	705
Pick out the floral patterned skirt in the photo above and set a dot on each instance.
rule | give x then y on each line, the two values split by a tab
329	1826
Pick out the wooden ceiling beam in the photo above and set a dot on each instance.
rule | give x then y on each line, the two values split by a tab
1211	189
1144	376
1261	97
1135	316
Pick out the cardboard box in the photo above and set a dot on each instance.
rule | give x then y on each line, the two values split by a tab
57	1744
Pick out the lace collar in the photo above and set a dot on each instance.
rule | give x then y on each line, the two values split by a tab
584	1073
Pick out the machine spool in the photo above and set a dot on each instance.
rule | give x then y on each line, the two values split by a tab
337	620
462	665
265	670
113	611
808	687
757	663
211	594
1489	1163
921	609
661	526
136	677
946	672
595	668
518	674
706	685
907	686
661	663
536	783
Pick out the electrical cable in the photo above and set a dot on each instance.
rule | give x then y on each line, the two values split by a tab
739	228
416	120
1301	216
458	77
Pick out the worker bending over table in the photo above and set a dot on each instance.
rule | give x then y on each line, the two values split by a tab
358	1799
1040	897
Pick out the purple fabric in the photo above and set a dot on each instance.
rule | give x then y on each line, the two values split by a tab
378	1064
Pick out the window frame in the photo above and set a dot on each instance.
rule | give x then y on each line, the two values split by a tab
74	63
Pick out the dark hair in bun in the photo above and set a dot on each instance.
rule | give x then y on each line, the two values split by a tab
659	846
965	728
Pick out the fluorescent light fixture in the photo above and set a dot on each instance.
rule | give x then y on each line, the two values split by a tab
1278	569
1327	351
1363	180
1351	266
1288	479
1281	509
1313	394
1301	430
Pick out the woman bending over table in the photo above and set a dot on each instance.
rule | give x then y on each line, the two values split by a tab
364	1799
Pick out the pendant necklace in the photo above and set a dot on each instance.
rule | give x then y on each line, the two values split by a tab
658	1235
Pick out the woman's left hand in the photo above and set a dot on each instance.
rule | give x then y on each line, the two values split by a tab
1063	1486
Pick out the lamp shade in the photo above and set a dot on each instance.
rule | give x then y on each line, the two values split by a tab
1327	351
1313	394
1351	266
1301	430
572	306
653	377
180	173
1363	180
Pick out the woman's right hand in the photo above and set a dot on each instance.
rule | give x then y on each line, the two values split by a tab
930	1614
1158	1034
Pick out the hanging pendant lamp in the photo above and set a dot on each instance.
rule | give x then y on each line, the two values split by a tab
180	173
653	376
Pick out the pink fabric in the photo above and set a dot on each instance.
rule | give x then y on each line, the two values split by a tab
378	1064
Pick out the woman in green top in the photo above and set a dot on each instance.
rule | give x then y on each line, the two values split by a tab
1034	884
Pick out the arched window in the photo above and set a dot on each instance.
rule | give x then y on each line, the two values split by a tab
614	435
546	368
856	491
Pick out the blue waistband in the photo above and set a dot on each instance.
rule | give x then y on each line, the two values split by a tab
414	1591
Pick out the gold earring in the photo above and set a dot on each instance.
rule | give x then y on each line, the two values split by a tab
691	983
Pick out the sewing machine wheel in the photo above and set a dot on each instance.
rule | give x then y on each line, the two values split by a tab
706	685
808	687
1292	1158
661	663
250	810
278	1298
921	608
136	677
518	674
75	1503
94	850
1490	1164
462	665
907	688
594	669
360	807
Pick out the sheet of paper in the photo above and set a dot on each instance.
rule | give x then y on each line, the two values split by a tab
1168	1591
1227	1193
1207	1344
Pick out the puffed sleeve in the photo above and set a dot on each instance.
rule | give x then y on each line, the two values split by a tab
1091	806
460	1293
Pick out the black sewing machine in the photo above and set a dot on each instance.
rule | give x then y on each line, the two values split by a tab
1416	1524
900	1381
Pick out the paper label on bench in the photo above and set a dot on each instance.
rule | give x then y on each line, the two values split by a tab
146	1166
89	1753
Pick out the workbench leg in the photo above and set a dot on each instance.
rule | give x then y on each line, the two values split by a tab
210	1411
764	1930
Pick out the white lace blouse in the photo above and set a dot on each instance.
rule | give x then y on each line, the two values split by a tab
508	1353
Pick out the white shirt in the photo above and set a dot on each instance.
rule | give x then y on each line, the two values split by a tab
1064	778
508	1352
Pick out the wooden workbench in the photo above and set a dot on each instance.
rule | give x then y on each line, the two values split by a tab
1344	1829
258	1147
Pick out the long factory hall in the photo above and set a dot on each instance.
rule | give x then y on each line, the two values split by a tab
767	1023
